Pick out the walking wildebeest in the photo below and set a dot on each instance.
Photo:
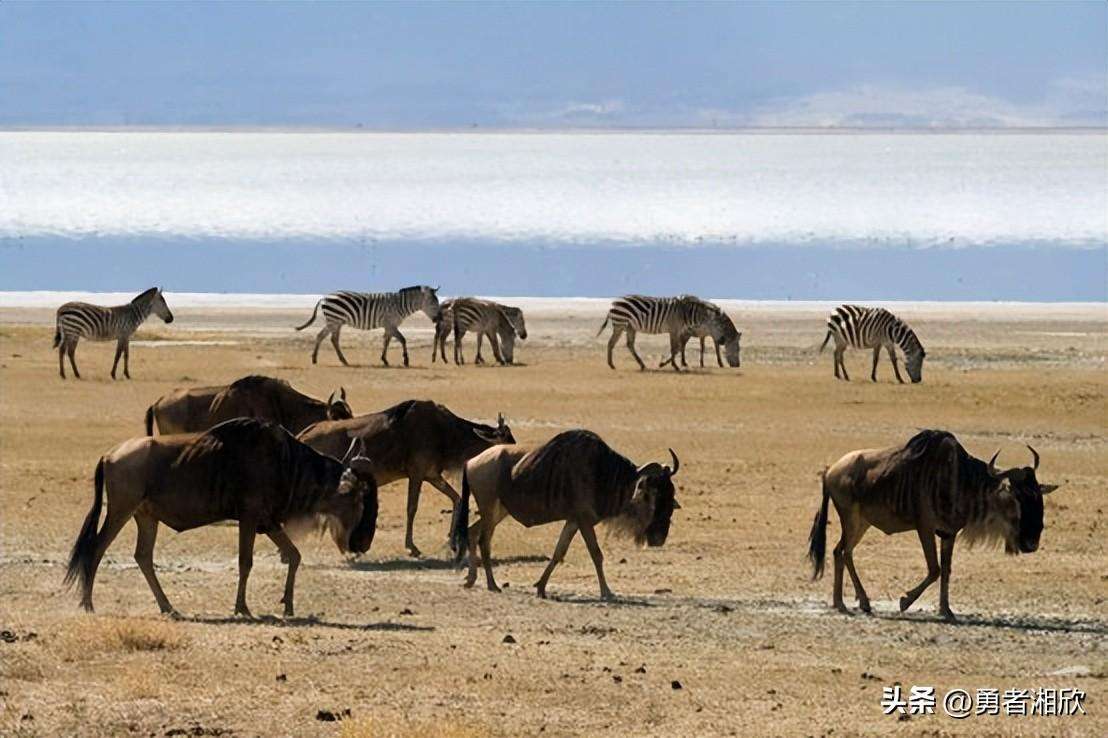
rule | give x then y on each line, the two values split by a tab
574	477
246	470
195	409
418	440
933	486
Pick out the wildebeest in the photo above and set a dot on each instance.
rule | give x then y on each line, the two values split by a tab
77	320
195	409
417	440
575	477
245	470
933	486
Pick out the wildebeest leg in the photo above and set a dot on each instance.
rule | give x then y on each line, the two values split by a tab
597	555
485	543
71	349
896	369
318	340
117	517
569	530
946	552
248	530
491	519
631	348
335	342
290	554
876	356
443	486
848	557
127	358
927	540
118	353
414	485
144	557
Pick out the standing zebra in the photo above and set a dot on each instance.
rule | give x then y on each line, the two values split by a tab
678	316
366	311
874	328
77	320
485	318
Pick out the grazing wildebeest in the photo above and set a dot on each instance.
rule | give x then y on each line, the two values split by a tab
574	477
245	470
417	440
77	320
195	409
933	486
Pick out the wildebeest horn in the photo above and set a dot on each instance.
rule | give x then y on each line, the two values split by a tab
500	420
351	451
1035	454
331	398
342	392
992	466
676	463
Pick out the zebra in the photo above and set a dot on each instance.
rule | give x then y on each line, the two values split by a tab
678	316
486	318
77	320
874	328
369	310
705	330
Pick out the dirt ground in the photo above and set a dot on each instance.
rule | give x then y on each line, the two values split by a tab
719	632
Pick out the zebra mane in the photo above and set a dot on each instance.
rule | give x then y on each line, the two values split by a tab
145	295
408	290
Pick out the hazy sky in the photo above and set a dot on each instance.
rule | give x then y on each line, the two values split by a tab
454	65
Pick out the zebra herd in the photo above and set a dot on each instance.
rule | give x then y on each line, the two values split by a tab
683	317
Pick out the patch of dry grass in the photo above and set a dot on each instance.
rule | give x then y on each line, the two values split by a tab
384	728
83	637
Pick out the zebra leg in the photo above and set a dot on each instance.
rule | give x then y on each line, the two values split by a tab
318	340
385	348
896	369
719	359
876	356
459	356
118	353
127	358
61	358
840	363
616	331
71	349
631	348
478	359
335	343
702	339
497	354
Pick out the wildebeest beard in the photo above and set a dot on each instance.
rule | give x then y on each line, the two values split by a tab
645	523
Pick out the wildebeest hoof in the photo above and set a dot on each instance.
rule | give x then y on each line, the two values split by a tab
864	606
468	584
173	614
842	608
414	552
494	588
948	615
905	603
608	596
244	612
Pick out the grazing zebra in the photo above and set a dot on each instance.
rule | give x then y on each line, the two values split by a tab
874	328
678	316
77	320
366	311
705	330
504	332
486	318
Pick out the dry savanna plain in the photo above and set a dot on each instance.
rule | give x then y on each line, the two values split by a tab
719	632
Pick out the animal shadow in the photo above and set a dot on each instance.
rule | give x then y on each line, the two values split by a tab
309	621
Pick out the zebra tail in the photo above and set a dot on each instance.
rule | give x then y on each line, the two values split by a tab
57	337
312	319
825	340
817	538
604	325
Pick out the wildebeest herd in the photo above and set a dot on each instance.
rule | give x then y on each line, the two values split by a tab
278	461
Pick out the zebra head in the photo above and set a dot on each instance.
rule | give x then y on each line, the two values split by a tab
155	302
730	337
515	317
429	302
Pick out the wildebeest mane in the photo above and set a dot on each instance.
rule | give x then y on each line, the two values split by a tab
573	458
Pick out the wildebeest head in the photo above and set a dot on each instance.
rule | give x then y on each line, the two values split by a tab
337	407
430	302
352	511
913	362
501	434
648	514
1021	504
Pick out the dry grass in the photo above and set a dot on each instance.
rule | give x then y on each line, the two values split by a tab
725	608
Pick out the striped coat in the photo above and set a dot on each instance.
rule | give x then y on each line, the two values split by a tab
500	323
874	328
369	310
77	320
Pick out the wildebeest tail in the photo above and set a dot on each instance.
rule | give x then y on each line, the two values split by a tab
150	420
311	319
604	324
81	560
459	525
817	539
825	340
